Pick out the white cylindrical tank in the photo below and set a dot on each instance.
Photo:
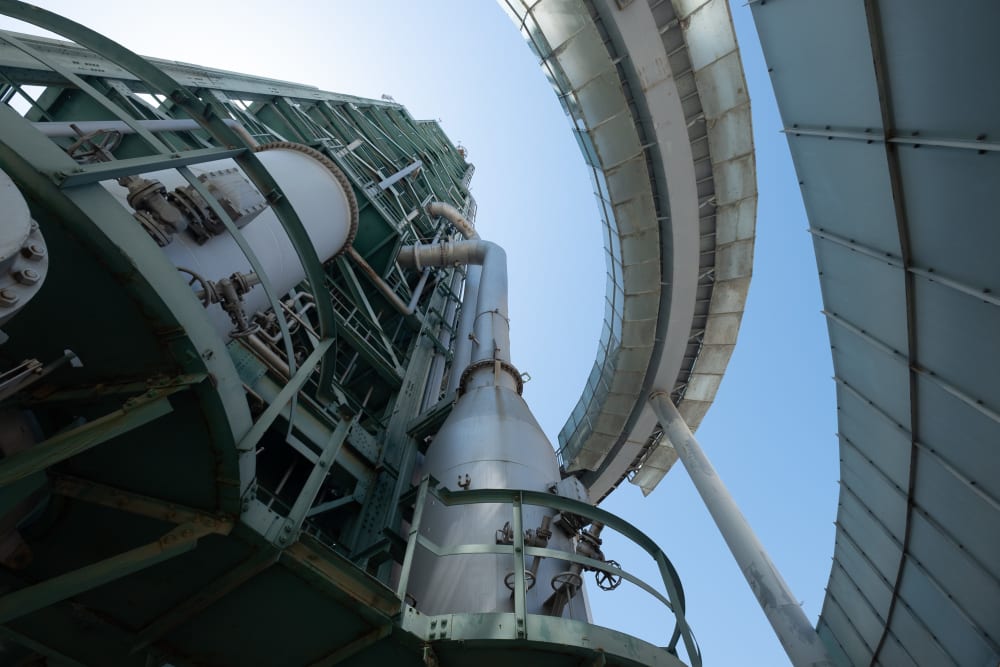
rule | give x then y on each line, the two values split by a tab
321	198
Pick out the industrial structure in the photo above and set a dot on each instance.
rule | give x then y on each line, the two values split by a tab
306	418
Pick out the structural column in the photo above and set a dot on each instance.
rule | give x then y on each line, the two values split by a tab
795	632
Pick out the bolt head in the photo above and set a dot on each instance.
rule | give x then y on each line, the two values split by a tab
27	276
7	297
33	251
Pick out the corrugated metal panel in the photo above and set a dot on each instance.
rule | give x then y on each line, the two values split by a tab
893	136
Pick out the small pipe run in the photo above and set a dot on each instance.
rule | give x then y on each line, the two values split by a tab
794	631
491	327
79	128
382	286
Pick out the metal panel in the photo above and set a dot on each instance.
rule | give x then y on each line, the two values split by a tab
953	191
892	135
938	66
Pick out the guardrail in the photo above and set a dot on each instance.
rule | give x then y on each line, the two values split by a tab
674	599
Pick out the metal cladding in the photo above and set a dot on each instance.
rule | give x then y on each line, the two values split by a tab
896	149
490	441
316	190
660	107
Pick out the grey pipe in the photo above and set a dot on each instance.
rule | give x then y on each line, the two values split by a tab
74	129
491	329
467	318
436	374
794	631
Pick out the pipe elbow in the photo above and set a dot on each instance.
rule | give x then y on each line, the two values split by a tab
453	215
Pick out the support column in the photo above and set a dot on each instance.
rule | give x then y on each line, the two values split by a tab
794	631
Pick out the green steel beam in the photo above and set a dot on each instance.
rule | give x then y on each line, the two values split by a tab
284	397
212	593
103	171
520	604
133	503
411	542
210	116
355	646
135	413
180	540
361	300
101	99
321	468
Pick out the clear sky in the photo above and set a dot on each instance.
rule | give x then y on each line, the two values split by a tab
771	431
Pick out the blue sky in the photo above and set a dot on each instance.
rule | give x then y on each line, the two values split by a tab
771	432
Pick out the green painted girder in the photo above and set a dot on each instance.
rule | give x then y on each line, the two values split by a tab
135	413
26	600
210	116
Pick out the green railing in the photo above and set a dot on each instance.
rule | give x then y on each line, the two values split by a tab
517	499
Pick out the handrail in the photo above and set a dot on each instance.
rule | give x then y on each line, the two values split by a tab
674	600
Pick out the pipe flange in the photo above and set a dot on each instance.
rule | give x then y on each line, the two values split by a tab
338	174
486	363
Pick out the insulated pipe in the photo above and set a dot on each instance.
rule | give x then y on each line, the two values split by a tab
321	198
467	317
796	634
491	329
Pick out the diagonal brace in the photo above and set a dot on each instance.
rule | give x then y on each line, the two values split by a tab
27	600
136	412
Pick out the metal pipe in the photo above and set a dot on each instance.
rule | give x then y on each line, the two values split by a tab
436	374
269	356
794	631
491	329
79	128
462	356
382	286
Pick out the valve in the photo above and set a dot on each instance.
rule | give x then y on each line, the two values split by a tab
608	581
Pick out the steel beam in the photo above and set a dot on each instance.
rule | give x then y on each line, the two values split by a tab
215	591
104	171
355	646
912	140
284	396
133	503
135	413
27	600
931	276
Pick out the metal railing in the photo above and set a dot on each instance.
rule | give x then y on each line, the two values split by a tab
674	599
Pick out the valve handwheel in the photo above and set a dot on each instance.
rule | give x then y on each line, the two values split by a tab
608	581
529	580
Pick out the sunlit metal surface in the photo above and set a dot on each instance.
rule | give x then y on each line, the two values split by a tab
656	94
894	144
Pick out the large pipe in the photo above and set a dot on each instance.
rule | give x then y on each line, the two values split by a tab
491	329
796	634
320	197
467	317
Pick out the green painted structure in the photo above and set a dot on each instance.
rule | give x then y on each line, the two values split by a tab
191	500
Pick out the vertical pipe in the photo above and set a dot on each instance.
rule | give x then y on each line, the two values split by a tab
794	631
466	318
